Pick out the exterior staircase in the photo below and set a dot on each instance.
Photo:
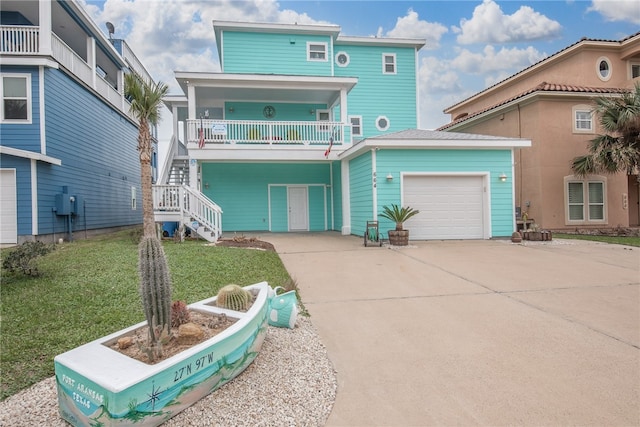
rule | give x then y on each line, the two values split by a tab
175	201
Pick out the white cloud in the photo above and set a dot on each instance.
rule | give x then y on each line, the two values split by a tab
489	24
410	26
617	10
490	60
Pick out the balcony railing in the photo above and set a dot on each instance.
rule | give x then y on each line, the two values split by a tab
268	132
25	40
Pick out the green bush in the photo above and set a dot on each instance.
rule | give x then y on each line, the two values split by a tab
23	258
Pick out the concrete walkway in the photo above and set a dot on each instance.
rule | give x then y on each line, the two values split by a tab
474	332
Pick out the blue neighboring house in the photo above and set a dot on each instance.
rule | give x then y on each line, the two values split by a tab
68	159
306	129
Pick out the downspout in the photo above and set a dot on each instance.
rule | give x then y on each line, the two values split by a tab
519	158
374	183
333	208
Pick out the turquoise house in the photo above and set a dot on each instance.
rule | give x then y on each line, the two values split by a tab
306	129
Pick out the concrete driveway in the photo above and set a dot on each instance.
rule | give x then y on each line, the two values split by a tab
474	332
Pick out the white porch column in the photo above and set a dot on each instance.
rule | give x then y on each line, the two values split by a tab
191	99
193	174
344	113
346	196
44	19
91	59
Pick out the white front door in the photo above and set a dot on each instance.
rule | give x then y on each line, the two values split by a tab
8	207
298	209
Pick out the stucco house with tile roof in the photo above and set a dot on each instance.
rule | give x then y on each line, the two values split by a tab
550	103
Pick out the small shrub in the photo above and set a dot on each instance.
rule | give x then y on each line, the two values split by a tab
22	259
179	314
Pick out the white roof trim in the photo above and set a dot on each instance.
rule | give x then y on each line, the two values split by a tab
403	144
386	41
332	30
30	61
29	155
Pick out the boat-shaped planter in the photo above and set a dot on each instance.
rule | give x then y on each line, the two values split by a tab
99	386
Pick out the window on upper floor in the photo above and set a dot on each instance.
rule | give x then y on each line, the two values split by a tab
635	70
356	125
382	123
323	116
316	51
585	200
388	63
603	66
342	59
15	92
582	119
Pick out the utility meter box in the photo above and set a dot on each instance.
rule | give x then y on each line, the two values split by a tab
63	204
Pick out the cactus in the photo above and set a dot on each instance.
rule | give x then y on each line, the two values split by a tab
179	313
155	291
233	297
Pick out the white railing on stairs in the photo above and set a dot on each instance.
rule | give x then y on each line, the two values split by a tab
193	207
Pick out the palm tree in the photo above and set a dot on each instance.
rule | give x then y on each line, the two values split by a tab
619	149
145	98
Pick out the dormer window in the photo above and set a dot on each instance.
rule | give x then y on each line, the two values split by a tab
316	51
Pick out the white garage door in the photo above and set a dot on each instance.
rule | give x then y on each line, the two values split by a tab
451	207
8	210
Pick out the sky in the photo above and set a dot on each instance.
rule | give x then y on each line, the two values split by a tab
470	45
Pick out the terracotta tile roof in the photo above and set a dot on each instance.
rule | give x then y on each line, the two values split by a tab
548	58
542	87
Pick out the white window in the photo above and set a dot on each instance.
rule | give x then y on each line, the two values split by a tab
316	51
604	68
388	63
356	125
382	123
585	200
342	59
323	116
582	119
15	92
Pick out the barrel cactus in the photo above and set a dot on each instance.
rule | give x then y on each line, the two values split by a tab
155	291
234	297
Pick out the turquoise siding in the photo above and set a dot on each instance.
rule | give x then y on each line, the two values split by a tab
493	161
263	53
317	208
241	190
378	94
360	186
284	112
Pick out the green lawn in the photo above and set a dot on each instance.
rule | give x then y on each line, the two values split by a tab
620	240
89	288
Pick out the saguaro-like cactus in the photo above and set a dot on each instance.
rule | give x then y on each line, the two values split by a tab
155	290
233	297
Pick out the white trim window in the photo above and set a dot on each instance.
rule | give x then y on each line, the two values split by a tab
356	125
382	123
604	68
342	59
15	92
323	116
389	63
634	70
585	200
582	119
317	51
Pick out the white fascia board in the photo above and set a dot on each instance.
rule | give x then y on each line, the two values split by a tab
458	144
271	28
29	61
29	155
262	80
245	153
380	41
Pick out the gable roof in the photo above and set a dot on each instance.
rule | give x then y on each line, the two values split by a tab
542	87
561	53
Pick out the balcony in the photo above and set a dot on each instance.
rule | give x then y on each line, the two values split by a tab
272	133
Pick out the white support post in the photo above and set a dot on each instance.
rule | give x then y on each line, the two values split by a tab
45	26
91	59
346	196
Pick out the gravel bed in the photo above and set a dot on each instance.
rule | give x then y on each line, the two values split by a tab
290	383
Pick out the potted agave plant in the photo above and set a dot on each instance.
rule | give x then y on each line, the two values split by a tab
397	214
98	385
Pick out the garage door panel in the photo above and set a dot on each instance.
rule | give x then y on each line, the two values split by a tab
451	207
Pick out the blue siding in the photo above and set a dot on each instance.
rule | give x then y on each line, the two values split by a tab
493	161
262	53
360	186
241	190
378	94
100	161
24	136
